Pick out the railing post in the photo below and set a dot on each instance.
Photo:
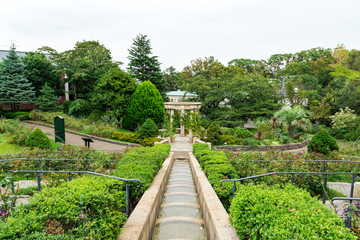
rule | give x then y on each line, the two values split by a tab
127	200
39	177
234	189
352	187
69	177
12	184
292	179
348	218
325	183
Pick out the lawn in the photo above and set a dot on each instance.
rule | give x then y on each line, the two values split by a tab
7	148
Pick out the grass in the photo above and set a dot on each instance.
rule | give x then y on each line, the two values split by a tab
7	148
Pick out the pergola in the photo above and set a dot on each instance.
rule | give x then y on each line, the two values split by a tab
182	107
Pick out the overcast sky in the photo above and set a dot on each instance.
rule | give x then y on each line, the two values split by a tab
183	30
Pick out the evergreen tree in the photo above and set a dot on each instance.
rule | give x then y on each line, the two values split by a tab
144	66
14	87
46	100
146	102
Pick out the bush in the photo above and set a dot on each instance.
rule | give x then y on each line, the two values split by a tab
230	139
17	133
87	206
285	139
250	142
38	139
323	143
263	212
95	116
18	115
79	108
216	167
214	134
148	129
66	106
243	133
134	138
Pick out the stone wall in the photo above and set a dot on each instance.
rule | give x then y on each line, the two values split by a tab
284	147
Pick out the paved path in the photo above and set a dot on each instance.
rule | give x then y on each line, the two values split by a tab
76	140
182	144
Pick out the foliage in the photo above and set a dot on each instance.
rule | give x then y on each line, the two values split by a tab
251	142
18	115
46	100
143	66
88	206
16	132
66	106
344	119
113	91
243	133
148	129
146	102
260	211
323	143
293	117
214	134
38	139
95	116
79	108
216	167
172	79
14	87
134	138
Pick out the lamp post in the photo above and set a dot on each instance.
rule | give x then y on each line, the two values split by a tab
295	90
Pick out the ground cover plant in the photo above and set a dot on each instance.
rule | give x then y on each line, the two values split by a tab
274	212
87	207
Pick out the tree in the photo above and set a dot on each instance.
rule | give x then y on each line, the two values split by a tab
47	99
113	91
146	102
293	117
321	111
84	66
14	87
40	70
144	66
148	129
353	60
172	79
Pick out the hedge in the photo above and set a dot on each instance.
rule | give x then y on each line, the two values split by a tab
217	167
272	212
134	138
88	207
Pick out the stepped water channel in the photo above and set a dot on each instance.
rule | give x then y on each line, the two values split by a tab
180	215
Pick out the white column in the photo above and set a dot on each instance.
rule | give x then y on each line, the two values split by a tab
182	126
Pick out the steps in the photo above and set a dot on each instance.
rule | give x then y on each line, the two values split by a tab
180	215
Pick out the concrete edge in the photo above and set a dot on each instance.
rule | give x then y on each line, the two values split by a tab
164	141
89	136
142	220
197	140
215	217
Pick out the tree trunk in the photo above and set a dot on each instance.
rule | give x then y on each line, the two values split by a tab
291	131
75	97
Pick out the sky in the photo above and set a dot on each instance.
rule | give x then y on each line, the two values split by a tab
183	30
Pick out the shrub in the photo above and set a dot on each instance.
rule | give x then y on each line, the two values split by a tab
250	142
243	133
214	134
216	167
18	115
38	139
79	108
87	206
95	116
230	139
285	139
134	138
148	129
323	143
66	106
263	212
17	133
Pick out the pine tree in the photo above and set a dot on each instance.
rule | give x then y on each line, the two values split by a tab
14	87
46	100
144	66
146	102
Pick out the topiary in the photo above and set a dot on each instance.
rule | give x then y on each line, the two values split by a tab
65	106
323	143
79	108
38	139
214	134
95	115
148	129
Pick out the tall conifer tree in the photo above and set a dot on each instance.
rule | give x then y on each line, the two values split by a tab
144	66
14	87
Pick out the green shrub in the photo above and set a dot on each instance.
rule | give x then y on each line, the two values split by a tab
243	133
251	142
148	129
95	116
87	207
230	139
285	139
228	131
216	167
2	113
38	139
79	108
16	132
134	138
18	115
214	134
66	106
323	143
264	212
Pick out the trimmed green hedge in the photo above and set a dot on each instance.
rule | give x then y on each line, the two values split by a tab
134	138
270	212
216	167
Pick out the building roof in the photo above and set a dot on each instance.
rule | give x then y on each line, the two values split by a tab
181	94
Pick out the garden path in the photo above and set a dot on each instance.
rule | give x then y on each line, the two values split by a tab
76	140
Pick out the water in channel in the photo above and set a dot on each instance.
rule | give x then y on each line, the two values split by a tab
180	215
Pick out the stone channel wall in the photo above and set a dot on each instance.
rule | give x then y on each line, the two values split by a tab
240	148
